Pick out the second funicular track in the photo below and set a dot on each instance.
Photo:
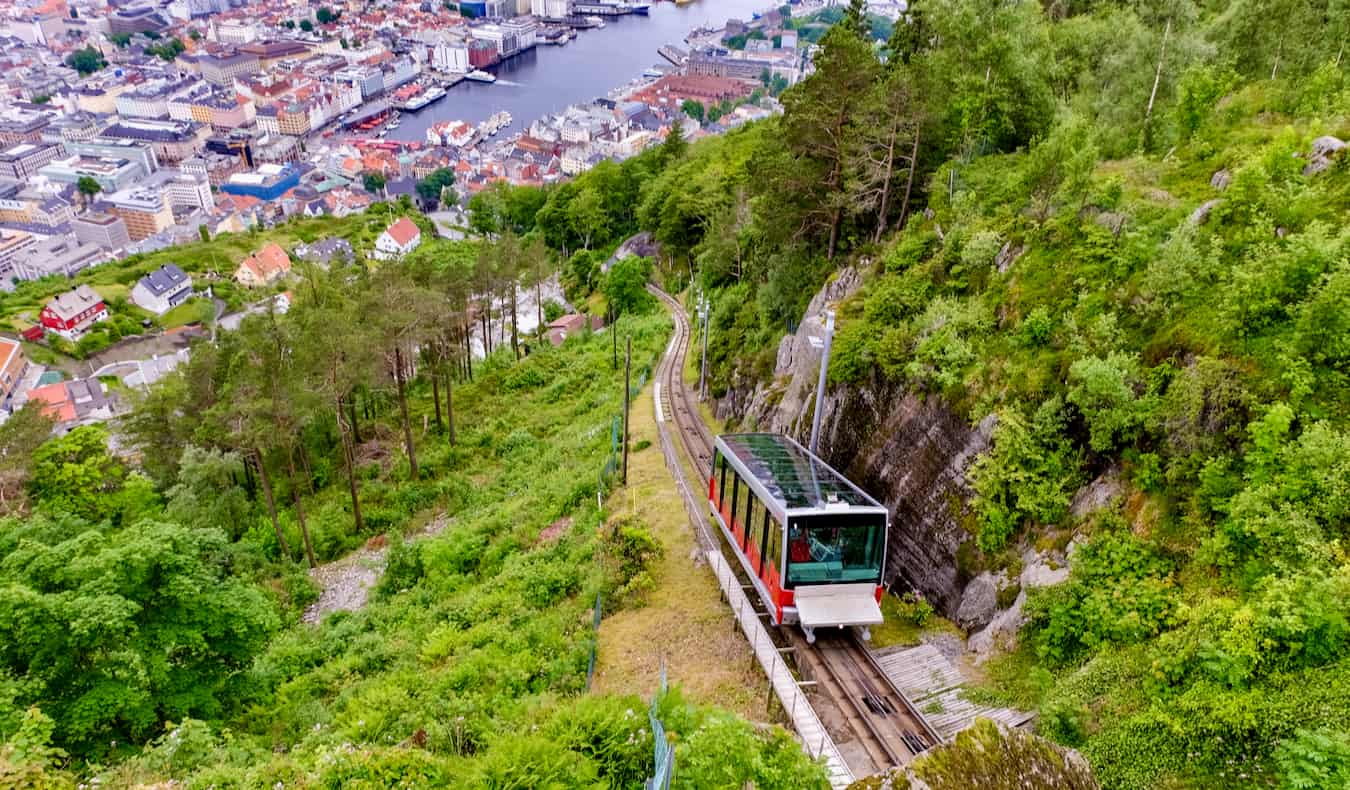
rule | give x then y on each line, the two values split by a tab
884	727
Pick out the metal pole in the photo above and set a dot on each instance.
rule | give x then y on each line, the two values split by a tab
820	385
627	372
703	371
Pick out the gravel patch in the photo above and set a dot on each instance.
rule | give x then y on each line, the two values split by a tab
346	583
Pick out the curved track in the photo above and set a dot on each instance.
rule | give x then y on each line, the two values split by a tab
875	724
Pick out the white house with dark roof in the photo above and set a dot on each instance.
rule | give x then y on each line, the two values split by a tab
162	290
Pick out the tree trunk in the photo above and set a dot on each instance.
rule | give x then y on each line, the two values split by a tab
909	182
515	338
351	404
436	399
271	503
468	350
1157	74
300	510
349	461
403	410
309	473
886	182
450	406
539	306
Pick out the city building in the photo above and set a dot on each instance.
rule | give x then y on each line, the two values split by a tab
144	211
23	160
142	154
397	240
13	366
24	129
110	173
184	190
14	246
54	255
222	69
263	267
103	229
162	290
172	141
136	19
70	314
268	182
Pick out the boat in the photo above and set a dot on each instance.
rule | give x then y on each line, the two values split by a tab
640	8
478	75
596	21
392	124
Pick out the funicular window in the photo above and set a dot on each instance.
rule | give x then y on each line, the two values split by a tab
829	548
754	531
736	486
774	542
720	472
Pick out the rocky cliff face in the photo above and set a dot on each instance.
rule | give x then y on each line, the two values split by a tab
909	452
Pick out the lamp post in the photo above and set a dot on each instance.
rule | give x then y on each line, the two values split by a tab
824	368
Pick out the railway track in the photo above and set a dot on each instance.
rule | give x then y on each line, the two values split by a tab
875	726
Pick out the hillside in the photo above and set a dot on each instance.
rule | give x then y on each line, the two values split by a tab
1091	267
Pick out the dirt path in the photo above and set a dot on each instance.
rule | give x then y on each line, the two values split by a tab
346	583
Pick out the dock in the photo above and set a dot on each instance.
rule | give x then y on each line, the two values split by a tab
674	54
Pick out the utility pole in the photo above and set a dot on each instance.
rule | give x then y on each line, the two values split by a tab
820	385
627	371
703	368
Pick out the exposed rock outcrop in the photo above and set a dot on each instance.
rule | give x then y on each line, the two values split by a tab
910	452
1324	150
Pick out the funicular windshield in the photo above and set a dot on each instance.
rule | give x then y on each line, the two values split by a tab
826	549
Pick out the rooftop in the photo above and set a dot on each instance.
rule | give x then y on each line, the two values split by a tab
790	474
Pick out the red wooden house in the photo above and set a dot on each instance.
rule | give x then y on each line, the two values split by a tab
72	313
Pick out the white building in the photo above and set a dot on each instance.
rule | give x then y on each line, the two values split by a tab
234	32
450	55
162	290
552	9
398	240
193	191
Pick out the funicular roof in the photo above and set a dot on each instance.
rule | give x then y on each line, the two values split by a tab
791	475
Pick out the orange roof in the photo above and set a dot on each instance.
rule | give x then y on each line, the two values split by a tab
56	400
268	262
403	231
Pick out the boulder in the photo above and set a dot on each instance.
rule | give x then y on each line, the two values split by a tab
1097	494
1324	150
1221	179
1038	571
1001	633
978	603
1201	214
1007	257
